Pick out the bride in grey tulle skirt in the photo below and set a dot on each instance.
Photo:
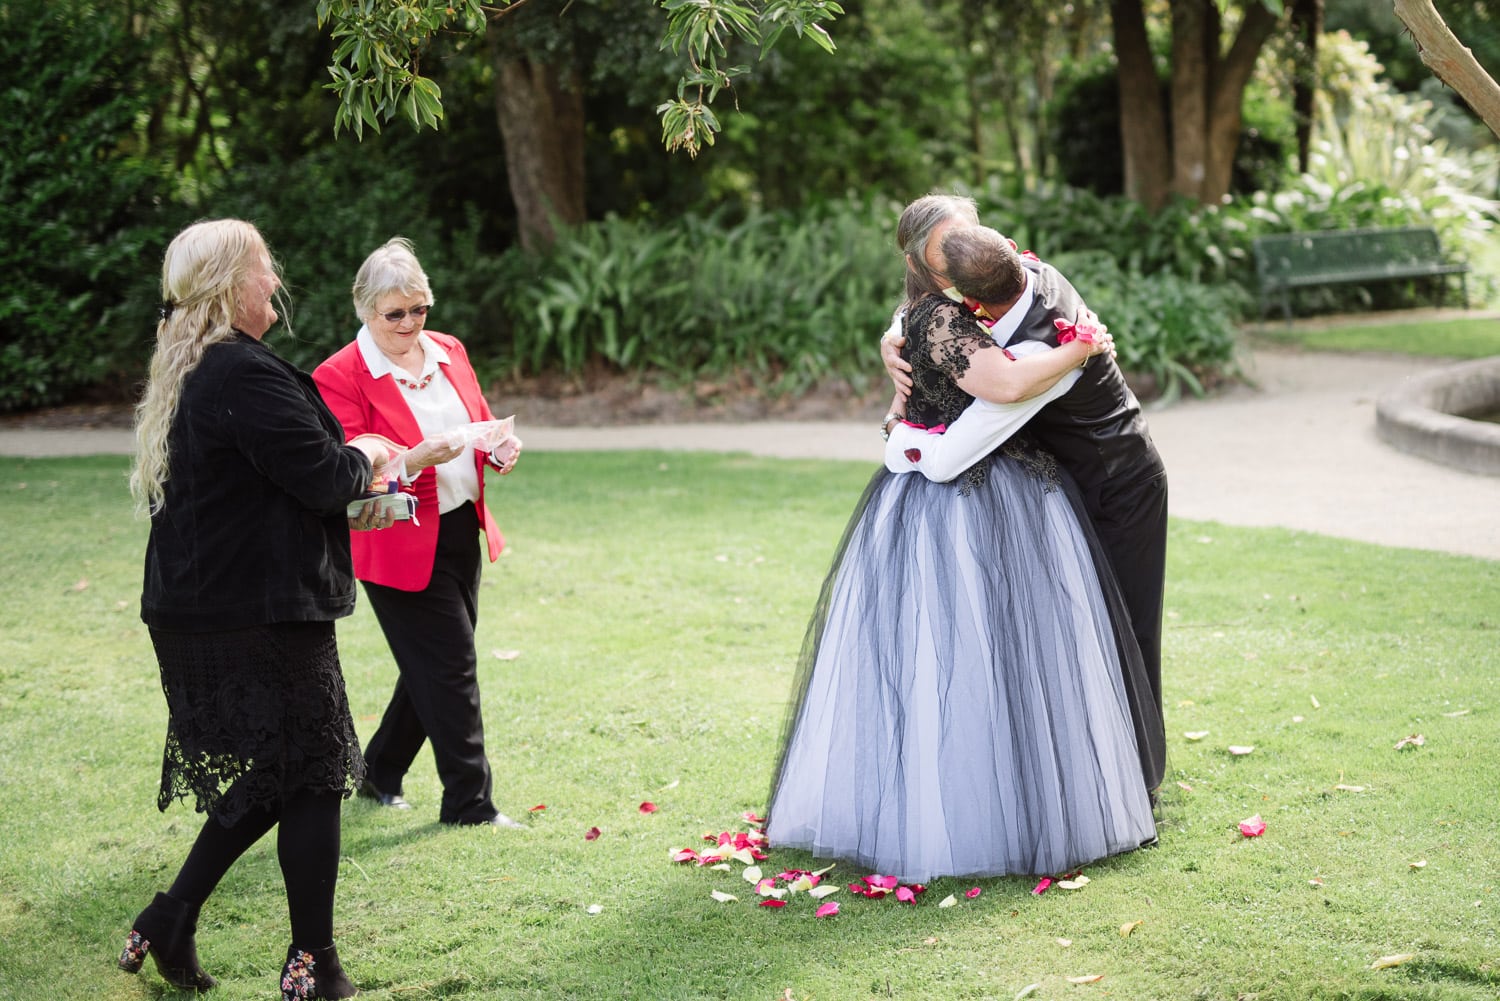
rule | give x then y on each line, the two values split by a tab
960	708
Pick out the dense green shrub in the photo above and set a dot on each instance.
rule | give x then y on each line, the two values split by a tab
73	201
794	299
1178	331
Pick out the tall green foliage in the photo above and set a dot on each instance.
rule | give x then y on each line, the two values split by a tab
75	203
796	299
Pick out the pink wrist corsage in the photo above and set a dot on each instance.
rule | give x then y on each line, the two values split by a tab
1085	328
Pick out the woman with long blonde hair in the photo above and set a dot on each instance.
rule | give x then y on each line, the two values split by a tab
247	480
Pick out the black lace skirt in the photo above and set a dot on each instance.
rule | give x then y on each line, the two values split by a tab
254	715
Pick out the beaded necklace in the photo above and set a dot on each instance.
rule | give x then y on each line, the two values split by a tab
426	381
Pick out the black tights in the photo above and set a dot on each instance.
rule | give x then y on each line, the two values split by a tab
307	846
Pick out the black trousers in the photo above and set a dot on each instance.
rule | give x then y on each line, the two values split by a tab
1130	519
431	635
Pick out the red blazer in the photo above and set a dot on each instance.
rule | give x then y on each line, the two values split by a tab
401	556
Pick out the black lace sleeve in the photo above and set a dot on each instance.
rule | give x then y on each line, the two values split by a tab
941	338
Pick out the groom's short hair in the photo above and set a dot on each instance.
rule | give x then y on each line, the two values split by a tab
983	265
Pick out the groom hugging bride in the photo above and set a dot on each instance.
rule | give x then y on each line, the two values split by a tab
979	691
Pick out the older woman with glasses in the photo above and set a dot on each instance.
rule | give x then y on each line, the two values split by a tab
416	388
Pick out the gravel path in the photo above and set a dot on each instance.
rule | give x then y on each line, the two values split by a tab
1296	450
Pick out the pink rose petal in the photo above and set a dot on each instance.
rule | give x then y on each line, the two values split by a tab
538	808
684	855
769	902
1041	887
591	834
905	894
971	894
883	882
1253	827
749	815
648	807
827	910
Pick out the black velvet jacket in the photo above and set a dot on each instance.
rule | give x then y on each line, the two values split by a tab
253	527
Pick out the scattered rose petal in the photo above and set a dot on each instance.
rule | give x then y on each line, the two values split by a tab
749	815
948	901
819	892
1184	787
1196	734
1073	884
804	884
1240	749
1419	864
1027	991
930	940
538	808
596	908
827	910
973	892
1253	827
1092	978
1128	927
1315	881
773	902
1064	942
723	867
1297	719
1386	962
1314	700
723	897
1414	740
905	895
591	834
825	870
752	874
648	807
1041	886
506	654
1343	788
1455	715
684	855
672	785
883	882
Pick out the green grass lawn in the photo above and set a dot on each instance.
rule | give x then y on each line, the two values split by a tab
1458	337
655	604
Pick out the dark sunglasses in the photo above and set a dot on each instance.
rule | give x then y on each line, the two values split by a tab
396	316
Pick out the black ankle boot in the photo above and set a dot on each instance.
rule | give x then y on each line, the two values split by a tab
166	930
314	973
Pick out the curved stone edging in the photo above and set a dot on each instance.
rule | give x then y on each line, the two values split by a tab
1419	416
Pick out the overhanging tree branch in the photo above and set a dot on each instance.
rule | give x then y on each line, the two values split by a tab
377	54
1451	60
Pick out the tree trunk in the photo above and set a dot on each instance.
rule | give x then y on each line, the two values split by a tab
541	121
1307	25
1226	103
1453	63
1194	45
1143	126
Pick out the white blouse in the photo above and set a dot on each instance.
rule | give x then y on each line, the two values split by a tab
436	407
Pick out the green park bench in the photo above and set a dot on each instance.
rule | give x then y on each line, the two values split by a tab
1286	261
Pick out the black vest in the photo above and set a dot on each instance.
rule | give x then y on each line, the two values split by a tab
1095	429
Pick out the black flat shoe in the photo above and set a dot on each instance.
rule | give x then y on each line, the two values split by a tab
393	800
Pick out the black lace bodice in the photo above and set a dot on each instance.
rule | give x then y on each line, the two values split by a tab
941	338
